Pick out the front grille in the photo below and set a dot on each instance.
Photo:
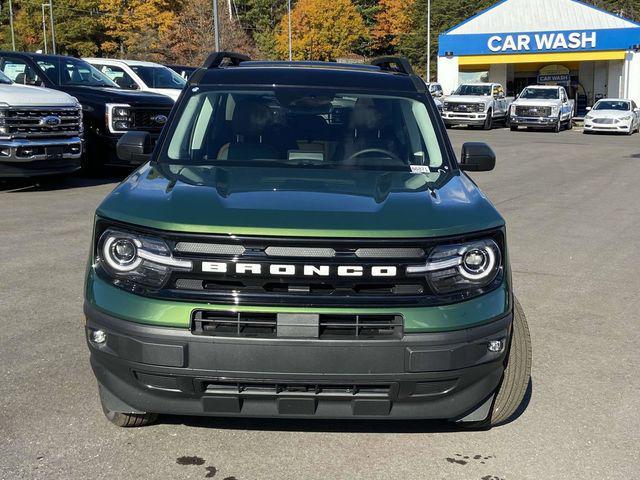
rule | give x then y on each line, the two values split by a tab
149	119
290	389
32	122
265	325
605	121
463	107
533	111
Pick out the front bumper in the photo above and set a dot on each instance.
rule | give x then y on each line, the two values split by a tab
622	127
34	157
547	122
444	375
457	118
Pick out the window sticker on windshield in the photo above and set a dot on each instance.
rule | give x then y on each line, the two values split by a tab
420	169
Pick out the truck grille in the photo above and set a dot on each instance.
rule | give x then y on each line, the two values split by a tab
265	325
149	119
463	107
32	122
533	111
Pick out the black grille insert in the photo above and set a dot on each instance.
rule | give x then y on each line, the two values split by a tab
265	325
250	389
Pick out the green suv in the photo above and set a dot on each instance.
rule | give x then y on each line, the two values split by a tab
303	243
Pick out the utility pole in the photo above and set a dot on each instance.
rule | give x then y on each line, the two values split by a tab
44	28
428	40
13	35
53	31
216	26
290	47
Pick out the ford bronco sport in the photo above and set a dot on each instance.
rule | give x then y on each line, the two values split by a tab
304	243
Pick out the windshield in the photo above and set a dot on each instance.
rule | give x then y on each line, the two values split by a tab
481	90
540	93
71	71
612	105
4	79
159	77
295	127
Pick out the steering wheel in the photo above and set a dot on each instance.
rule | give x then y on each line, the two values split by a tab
388	153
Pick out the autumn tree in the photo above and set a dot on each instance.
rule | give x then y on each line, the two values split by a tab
135	28
321	30
192	38
392	21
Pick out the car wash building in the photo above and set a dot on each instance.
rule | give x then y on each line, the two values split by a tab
593	53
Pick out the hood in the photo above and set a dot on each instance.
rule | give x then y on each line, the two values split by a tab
300	202
610	113
28	96
526	102
172	93
119	95
468	98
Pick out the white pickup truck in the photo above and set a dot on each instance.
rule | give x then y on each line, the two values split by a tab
480	104
40	131
543	106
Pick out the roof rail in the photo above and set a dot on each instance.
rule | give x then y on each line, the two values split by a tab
216	59
393	64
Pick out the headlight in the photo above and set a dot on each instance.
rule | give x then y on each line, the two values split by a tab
118	117
555	111
461	266
513	109
4	130
588	116
624	119
446	106
138	259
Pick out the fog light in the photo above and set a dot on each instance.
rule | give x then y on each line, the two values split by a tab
98	336
496	346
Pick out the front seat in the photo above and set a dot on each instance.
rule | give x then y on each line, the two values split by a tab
249	123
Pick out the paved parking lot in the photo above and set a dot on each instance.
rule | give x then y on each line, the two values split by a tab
572	208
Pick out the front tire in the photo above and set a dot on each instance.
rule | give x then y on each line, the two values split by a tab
558	126
488	123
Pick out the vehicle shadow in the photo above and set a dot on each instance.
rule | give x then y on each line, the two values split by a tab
334	426
53	183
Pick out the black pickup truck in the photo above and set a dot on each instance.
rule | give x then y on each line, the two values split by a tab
108	111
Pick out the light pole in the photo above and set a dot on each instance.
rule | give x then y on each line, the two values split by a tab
290	48
428	40
44	28
53	31
13	36
216	26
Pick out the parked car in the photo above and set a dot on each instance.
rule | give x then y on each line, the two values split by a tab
543	106
144	76
40	131
435	89
108	110
480	104
183	70
319	253
613	115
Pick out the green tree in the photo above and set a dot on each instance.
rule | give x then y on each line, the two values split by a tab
259	18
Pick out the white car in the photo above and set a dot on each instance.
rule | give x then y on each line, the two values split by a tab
138	75
613	115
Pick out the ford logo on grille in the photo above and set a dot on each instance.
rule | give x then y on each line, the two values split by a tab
159	119
50	121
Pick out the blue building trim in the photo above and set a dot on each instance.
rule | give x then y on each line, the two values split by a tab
538	42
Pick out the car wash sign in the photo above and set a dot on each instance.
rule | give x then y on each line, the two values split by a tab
538	42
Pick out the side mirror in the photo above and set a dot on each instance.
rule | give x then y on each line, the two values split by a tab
477	157
134	147
588	109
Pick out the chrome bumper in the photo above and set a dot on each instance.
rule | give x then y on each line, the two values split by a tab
30	150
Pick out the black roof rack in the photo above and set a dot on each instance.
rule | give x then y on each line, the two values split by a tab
393	64
216	59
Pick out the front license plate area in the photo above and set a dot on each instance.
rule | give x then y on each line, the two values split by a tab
298	325
54	153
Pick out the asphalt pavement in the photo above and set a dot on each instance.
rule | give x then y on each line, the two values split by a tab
572	207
